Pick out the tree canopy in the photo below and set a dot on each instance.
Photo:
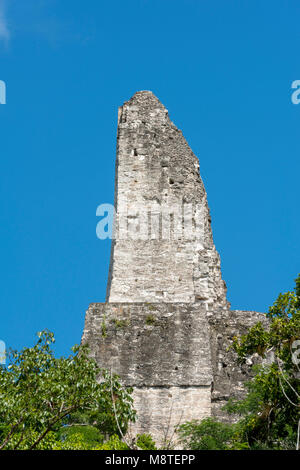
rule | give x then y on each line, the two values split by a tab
39	393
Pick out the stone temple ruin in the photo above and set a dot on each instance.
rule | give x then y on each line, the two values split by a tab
167	321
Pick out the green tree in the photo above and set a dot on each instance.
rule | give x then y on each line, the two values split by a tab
38	392
271	409
210	434
270	412
89	435
145	442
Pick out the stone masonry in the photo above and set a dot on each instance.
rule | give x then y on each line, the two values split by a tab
167	323
156	169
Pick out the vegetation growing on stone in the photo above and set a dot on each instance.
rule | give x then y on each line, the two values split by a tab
151	307
150	320
103	328
121	323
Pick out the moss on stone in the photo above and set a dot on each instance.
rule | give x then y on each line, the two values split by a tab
120	323
150	320
103	328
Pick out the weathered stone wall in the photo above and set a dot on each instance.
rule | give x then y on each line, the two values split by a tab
175	356
161	409
163	351
156	170
229	377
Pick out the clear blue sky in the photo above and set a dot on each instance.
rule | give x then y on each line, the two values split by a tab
224	71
